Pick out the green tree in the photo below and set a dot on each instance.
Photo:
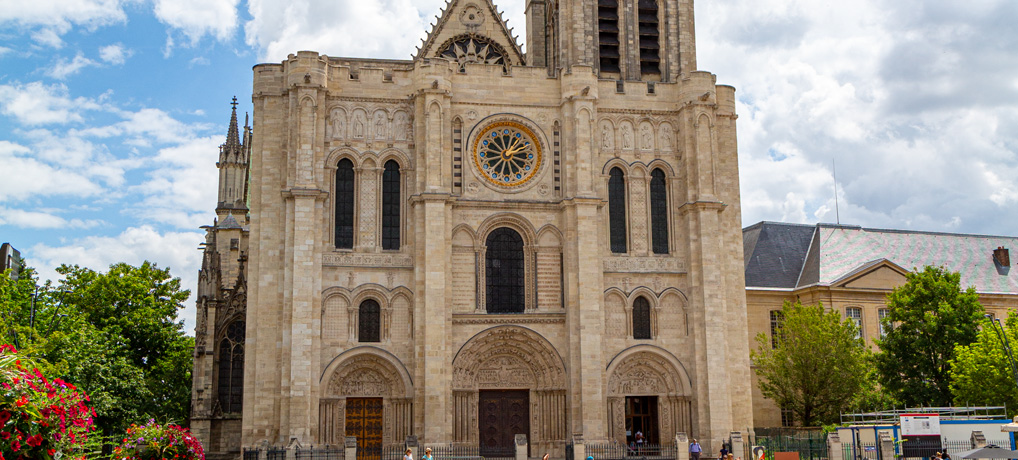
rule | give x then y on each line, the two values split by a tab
980	373
928	316
816	367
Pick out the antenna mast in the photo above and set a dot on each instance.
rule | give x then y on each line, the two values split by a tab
837	213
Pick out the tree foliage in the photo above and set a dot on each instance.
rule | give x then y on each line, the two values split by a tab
928	316
980	373
816	368
114	334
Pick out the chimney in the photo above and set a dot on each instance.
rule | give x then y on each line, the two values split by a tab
1002	257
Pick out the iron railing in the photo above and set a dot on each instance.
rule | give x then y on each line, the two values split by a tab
617	451
250	454
320	453
276	453
809	444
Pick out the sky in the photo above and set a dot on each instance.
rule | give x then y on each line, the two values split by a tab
112	111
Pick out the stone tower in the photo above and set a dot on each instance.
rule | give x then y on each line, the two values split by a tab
477	243
217	386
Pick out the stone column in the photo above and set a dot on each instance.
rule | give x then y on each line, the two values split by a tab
682	447
886	445
834	449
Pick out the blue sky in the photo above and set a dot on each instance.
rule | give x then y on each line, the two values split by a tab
111	111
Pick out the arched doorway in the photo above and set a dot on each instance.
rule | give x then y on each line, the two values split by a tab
506	379
648	391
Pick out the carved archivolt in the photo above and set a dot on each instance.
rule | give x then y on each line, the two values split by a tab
366	375
508	357
647	372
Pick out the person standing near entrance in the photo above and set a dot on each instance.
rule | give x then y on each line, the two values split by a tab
408	455
427	454
695	450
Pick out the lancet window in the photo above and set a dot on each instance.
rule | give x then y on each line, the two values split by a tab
344	204
369	322
390	205
617	210
505	272
641	318
658	212
231	368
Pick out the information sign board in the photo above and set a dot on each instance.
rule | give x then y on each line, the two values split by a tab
920	424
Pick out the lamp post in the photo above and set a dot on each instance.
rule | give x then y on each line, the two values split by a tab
998	327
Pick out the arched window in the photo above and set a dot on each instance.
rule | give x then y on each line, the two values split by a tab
617	210
369	326
650	44
390	205
608	35
658	212
231	368
344	204
504	272
641	318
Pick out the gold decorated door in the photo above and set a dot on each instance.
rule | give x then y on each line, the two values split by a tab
364	421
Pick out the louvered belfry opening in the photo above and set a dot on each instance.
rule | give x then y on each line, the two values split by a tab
650	43
608	34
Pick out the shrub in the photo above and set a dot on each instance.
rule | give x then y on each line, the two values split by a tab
152	441
39	418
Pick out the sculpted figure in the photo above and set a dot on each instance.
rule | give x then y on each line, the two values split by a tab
606	137
647	138
627	137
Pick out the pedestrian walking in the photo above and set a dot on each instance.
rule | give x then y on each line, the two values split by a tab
427	454
408	455
695	450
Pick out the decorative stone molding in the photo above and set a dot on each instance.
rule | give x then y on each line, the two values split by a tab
643	265
353	259
494	350
484	318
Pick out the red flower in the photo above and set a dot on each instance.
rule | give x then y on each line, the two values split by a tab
22	401
4	416
5	435
15	445
35	440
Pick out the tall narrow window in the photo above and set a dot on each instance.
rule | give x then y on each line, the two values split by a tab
390	205
881	314
344	204
649	37
231	368
369	322
608	34
777	317
855	314
504	272
617	210
641	318
658	212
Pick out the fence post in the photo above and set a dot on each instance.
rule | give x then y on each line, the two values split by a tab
410	443
737	446
834	449
350	448
886	446
682	447
978	440
579	450
521	447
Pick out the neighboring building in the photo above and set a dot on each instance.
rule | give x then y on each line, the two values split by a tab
10	258
852	269
477	243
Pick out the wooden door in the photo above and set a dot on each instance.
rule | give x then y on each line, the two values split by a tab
641	416
502	415
364	421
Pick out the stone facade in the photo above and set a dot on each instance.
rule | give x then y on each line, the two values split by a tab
378	294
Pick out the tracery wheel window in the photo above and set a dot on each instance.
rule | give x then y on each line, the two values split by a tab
504	272
641	318
231	368
369	326
471	48
507	154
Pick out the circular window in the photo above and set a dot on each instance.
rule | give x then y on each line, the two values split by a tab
507	153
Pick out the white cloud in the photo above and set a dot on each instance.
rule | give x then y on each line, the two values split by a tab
4	50
64	68
176	250
38	104
114	54
181	190
34	178
48	20
42	219
196	18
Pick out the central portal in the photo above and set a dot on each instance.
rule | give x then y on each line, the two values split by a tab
364	421
502	414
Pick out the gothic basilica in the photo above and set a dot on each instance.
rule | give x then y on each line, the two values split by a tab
480	242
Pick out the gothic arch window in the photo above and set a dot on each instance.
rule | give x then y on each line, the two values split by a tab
504	272
369	322
344	204
641	318
231	368
658	212
608	35
617	210
390	205
650	35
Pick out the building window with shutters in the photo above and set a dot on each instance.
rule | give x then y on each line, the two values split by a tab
855	314
608	36
505	273
231	368
369	322
344	204
649	37
641	318
617	210
390	205
777	318
658	212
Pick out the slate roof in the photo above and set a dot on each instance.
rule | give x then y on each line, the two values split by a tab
831	252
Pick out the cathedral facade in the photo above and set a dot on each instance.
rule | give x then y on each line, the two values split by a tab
478	243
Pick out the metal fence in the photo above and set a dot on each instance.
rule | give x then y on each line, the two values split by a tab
914	448
250	454
320	453
614	451
276	453
809	444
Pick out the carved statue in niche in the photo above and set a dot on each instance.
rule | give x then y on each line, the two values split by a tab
666	139
627	137
646	137
399	127
358	125
606	137
337	125
379	126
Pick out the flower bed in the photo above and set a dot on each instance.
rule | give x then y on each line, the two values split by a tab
152	441
39	418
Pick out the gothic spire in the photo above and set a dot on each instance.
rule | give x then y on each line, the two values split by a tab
232	146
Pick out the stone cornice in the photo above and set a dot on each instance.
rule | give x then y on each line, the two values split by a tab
523	318
702	206
355	259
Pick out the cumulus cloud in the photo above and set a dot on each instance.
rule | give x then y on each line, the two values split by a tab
114	54
39	104
380	29
176	250
64	68
183	188
48	20
35	178
914	100
197	18
42	219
